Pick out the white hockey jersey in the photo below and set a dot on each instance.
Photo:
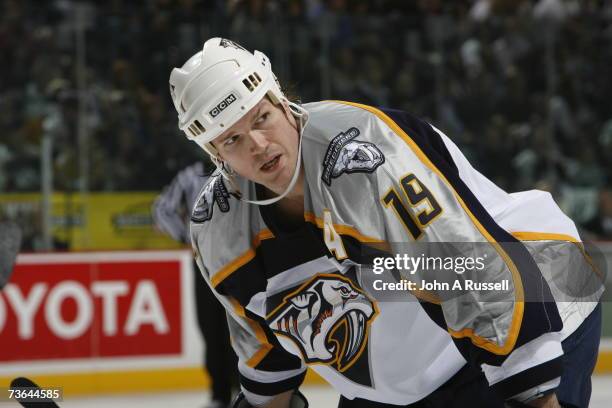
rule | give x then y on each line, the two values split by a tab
377	178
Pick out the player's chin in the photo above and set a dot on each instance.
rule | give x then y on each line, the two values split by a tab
278	182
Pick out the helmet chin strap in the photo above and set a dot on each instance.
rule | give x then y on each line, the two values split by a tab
301	114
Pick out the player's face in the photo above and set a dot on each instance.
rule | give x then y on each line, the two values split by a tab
262	146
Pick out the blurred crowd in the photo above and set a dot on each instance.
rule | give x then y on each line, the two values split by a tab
520	85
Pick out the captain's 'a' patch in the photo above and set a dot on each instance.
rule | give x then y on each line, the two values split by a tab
346	155
214	192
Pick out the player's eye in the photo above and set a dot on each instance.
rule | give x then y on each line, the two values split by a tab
262	118
231	140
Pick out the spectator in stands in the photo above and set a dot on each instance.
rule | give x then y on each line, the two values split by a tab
462	61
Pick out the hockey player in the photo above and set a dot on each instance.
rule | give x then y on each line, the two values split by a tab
303	191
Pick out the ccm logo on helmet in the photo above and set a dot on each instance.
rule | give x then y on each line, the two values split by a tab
231	98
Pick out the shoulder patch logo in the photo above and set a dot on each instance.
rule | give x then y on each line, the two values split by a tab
346	155
214	192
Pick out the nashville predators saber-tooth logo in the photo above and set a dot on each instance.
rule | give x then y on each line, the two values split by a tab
229	43
328	318
357	156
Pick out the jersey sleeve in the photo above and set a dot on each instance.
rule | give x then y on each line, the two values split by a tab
265	368
513	335
167	208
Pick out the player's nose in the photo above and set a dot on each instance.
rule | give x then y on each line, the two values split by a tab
259	141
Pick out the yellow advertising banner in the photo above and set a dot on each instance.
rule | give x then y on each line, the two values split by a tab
96	221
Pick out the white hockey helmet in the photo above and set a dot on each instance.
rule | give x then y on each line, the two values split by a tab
217	86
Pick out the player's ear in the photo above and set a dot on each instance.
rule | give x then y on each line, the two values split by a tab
285	103
287	110
216	151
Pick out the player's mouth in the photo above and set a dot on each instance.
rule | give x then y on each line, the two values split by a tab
271	165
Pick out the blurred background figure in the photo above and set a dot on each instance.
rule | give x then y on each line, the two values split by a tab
10	242
172	212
